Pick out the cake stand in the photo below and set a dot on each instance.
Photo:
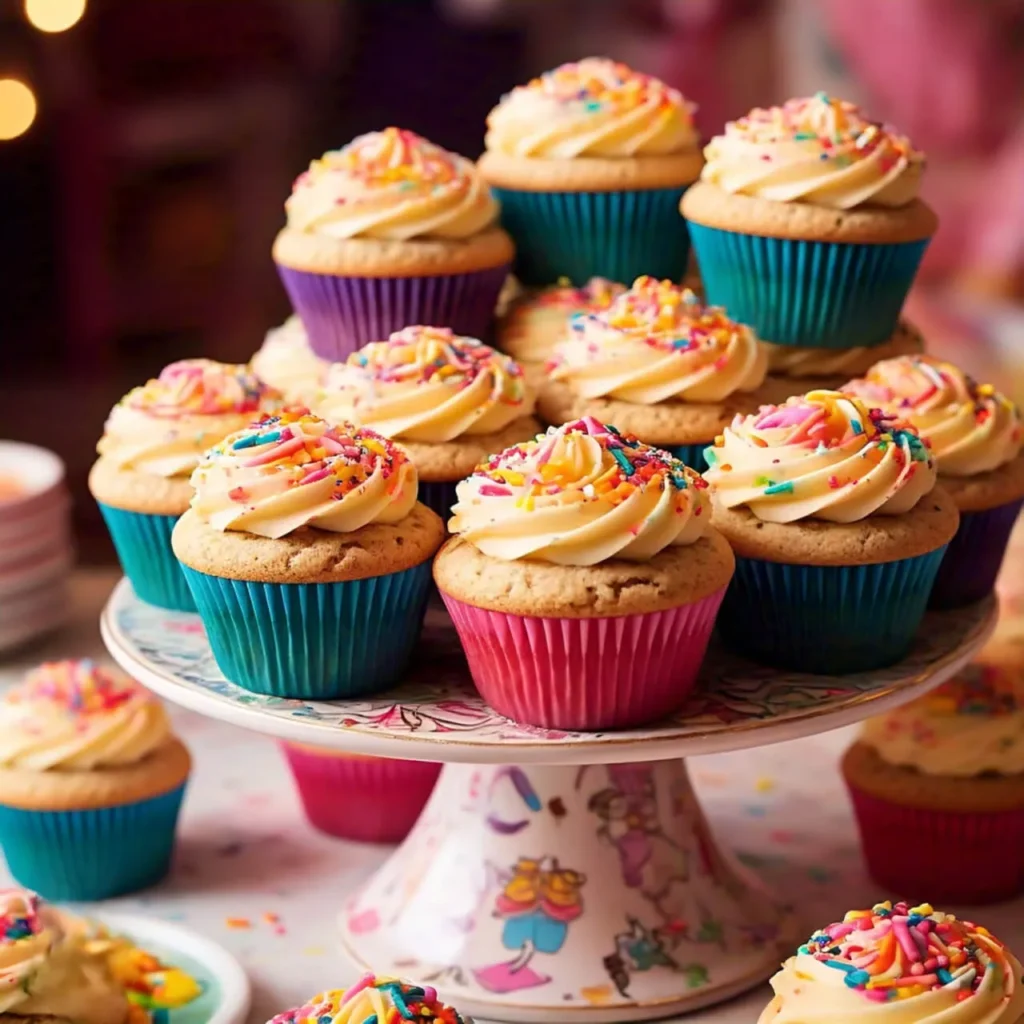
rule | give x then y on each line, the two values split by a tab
553	875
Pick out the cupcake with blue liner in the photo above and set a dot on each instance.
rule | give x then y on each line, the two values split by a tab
976	436
838	529
807	223
657	364
91	782
151	443
286	363
589	162
308	556
449	400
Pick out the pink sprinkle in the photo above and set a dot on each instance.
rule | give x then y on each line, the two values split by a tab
495	491
902	933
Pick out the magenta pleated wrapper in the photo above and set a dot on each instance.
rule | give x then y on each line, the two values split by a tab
367	799
585	674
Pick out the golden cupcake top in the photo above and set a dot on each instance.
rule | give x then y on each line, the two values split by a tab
426	384
800	361
817	149
972	428
77	715
391	184
296	470
591	108
578	495
824	455
286	363
656	342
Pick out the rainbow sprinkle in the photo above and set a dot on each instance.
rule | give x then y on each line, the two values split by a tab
78	687
20	918
200	387
977	690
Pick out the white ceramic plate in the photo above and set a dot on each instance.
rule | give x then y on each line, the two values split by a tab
40	472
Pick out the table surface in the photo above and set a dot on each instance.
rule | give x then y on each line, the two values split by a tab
251	874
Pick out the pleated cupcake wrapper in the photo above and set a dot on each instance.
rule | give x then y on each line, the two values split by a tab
579	235
974	556
313	641
143	544
818	294
341	314
691	454
601	673
91	854
941	856
438	495
829	619
366	799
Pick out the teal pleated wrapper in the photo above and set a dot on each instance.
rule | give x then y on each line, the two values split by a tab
313	641
829	619
580	235
91	854
811	294
143	545
691	454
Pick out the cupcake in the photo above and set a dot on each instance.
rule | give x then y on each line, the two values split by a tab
450	401
940	781
366	799
286	363
152	441
91	782
583	579
976	436
902	963
659	365
838	530
391	230
807	224
308	557
385	1000
589	162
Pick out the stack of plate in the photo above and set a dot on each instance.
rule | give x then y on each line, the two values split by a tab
36	554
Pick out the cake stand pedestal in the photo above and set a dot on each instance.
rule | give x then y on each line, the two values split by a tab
553	876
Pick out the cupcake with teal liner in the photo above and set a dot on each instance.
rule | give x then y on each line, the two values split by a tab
838	529
151	443
286	363
388	231
807	223
589	162
659	365
583	579
449	400
308	557
976	437
91	782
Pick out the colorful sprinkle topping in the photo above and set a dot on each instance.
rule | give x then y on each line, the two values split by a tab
79	687
597	294
19	918
200	387
978	690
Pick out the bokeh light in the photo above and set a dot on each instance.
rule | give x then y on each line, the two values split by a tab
54	15
17	108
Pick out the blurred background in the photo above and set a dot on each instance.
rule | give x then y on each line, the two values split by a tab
147	147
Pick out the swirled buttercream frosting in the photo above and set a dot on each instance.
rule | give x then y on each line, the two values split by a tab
286	363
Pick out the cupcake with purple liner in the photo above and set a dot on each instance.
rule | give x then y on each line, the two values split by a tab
391	230
583	578
449	400
91	782
975	435
286	363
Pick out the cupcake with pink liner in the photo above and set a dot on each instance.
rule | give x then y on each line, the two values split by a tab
388	231
286	363
976	436
583	578
449	400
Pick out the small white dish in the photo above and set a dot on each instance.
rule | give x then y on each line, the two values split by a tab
39	475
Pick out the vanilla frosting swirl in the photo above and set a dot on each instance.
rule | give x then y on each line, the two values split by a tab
823	455
28	933
797	361
593	108
286	363
391	185
971	427
296	470
578	495
657	342
164	426
426	384
819	150
75	715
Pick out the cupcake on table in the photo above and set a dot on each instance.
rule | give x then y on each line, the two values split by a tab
583	578
451	401
659	365
838	528
975	434
589	162
388	231
807	223
286	363
91	782
152	441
